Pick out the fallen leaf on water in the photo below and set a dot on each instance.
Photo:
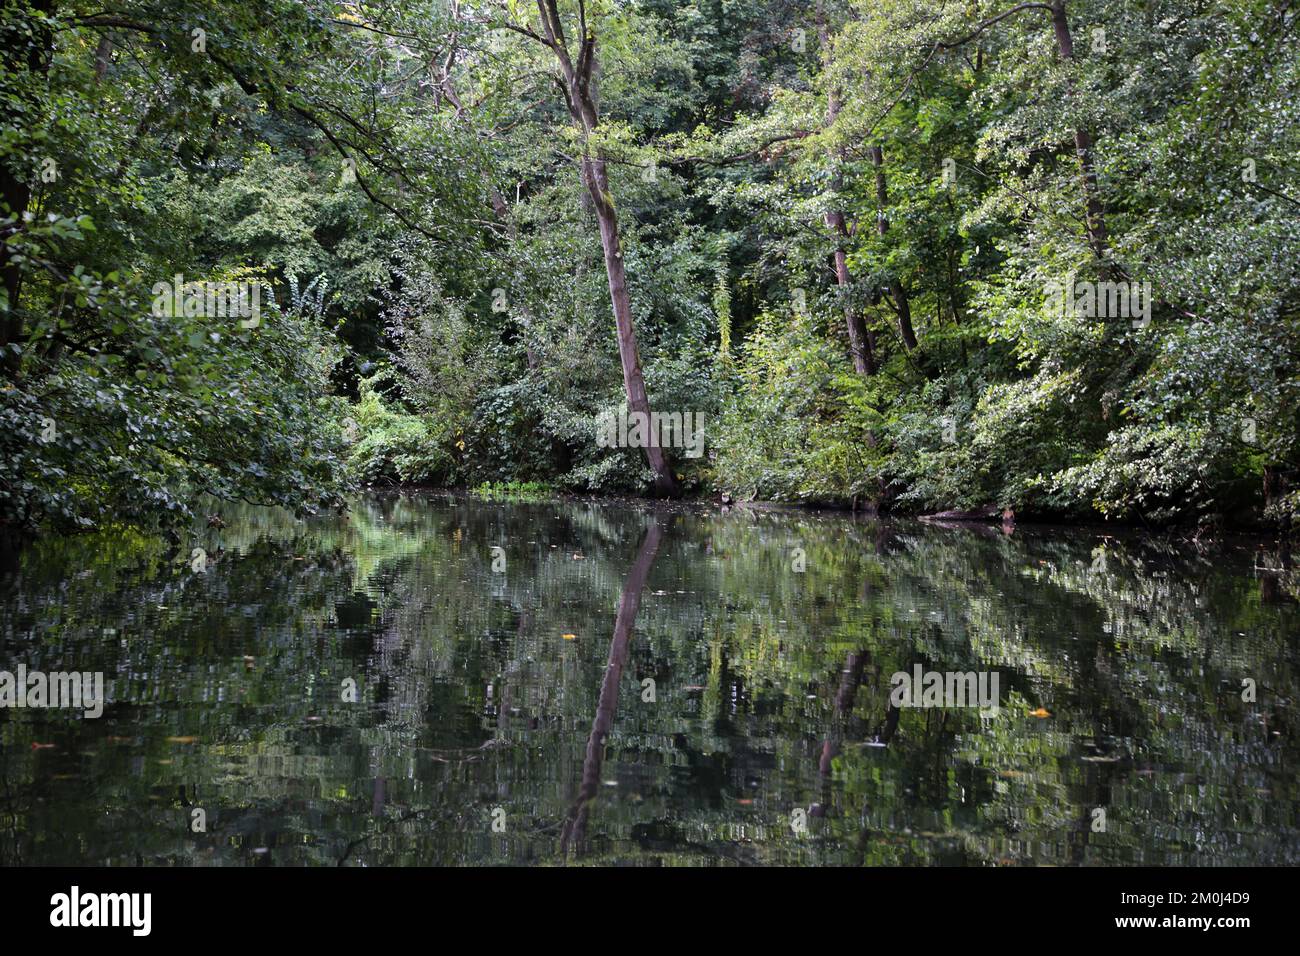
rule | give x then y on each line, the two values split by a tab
570	637
165	763
182	740
744	803
1040	712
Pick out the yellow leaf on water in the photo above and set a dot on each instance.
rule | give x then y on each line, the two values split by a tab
1040	712
182	740
570	637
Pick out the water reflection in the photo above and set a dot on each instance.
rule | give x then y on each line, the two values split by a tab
629	602
502	715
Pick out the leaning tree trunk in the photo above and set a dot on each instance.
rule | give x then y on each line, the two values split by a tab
581	102
633	380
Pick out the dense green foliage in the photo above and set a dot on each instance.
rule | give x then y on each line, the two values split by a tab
404	178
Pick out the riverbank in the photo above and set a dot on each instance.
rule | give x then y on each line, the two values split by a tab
988	518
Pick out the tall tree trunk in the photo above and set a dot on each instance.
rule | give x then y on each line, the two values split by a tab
103	56
861	338
862	342
581	101
896	290
1095	214
616	273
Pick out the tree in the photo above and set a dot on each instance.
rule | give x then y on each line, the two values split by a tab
578	79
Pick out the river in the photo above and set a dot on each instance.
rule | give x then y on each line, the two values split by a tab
435	679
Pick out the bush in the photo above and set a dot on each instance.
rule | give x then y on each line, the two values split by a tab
1158	473
395	446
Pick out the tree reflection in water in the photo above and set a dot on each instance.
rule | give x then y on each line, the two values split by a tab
772	692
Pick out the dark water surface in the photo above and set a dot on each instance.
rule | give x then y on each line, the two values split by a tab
520	698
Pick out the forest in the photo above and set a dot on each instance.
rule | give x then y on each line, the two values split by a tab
648	433
906	256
